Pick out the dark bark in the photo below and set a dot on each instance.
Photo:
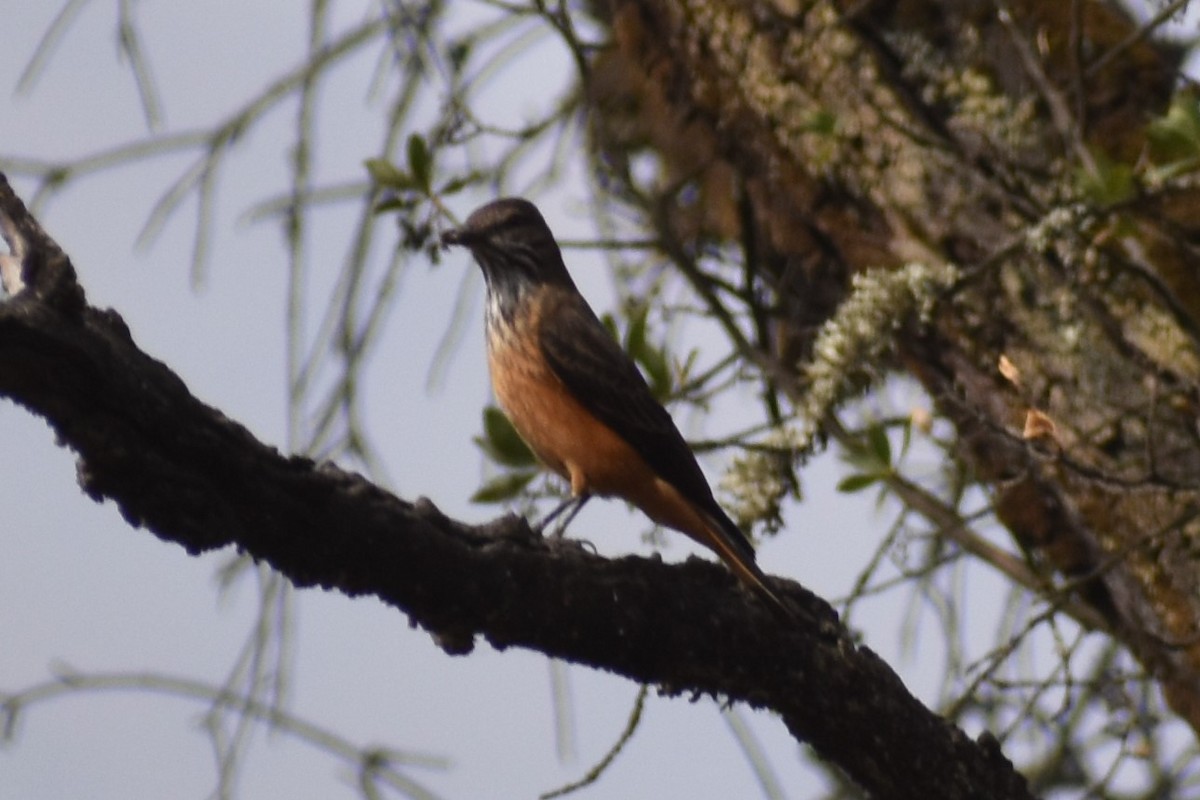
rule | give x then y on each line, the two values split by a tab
190	475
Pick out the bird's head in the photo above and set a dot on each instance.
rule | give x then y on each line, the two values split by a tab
512	244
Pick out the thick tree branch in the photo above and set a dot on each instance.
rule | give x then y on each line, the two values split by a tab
192	476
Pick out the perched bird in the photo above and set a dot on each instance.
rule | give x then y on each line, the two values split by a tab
576	398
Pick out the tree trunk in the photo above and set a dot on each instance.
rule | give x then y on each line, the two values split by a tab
1012	141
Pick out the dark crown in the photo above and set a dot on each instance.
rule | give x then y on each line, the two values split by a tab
510	240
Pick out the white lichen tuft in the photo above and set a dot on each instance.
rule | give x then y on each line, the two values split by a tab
757	482
854	342
1048	232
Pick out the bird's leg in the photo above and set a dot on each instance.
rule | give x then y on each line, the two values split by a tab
580	502
575	503
558	509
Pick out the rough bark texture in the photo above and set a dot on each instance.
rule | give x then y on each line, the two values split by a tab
835	137
191	476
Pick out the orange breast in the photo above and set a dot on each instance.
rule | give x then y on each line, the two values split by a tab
569	440
556	426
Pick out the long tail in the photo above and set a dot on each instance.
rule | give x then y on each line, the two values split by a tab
735	550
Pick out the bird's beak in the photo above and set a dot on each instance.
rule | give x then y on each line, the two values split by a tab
454	236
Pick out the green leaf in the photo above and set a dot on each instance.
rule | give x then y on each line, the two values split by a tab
822	122
501	442
504	487
393	203
881	446
386	174
1109	184
856	483
420	162
654	362
1175	136
458	52
456	185
906	441
688	365
611	325
635	334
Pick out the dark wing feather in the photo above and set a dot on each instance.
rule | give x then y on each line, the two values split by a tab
599	374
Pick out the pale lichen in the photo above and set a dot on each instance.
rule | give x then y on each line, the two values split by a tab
814	70
1048	232
756	483
855	341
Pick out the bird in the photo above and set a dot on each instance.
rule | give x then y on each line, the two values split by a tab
574	395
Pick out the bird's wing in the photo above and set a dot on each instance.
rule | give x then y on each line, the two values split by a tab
598	373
